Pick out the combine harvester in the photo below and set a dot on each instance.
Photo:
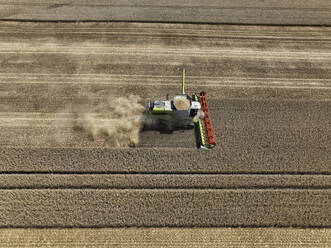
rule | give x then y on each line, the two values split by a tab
182	113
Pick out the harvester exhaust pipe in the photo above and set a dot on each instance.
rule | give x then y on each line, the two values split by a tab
183	81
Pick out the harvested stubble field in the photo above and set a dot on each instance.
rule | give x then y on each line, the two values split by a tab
166	237
269	91
294	12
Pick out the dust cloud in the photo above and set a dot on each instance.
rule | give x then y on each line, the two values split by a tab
116	122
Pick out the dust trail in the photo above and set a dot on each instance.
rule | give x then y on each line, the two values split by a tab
120	127
114	122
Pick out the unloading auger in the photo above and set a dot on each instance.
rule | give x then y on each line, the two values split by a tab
182	113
